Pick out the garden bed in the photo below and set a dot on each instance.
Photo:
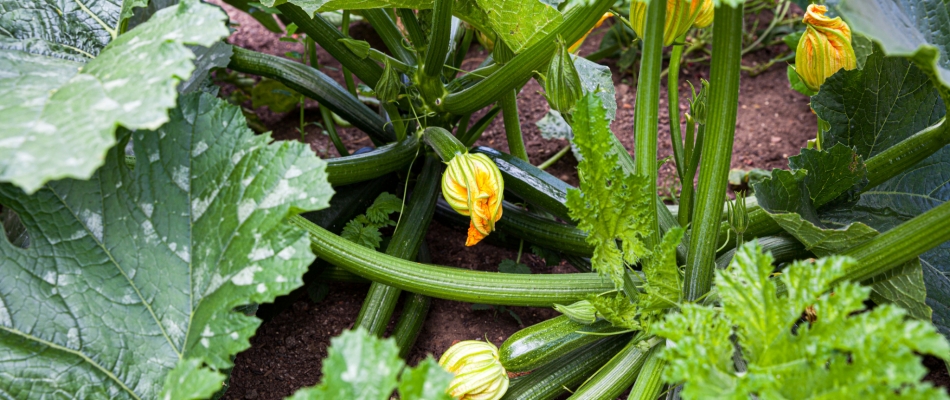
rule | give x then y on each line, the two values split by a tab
774	123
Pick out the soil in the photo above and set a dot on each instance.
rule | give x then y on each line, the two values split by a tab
774	122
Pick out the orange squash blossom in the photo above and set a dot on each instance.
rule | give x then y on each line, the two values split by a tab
473	186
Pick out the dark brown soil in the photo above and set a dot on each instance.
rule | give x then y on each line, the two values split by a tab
773	123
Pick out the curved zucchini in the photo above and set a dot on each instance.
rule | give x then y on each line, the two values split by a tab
360	167
452	283
555	379
542	343
531	183
314	84
328	37
615	376
381	299
415	308
519	223
783	248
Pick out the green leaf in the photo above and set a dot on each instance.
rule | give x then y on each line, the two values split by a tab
274	95
596	78
903	286
509	266
816	178
916	29
610	204
190	381
362	233
358	366
521	23
845	351
217	55
617	309
132	271
67	84
872	109
796	82
427	381
664	282
385	204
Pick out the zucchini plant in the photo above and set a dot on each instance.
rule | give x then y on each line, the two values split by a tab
142	215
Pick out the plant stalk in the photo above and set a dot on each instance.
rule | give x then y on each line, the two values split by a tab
673	94
439	39
647	108
649	383
509	110
717	150
389	32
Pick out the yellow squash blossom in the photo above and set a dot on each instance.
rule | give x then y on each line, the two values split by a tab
473	186
680	15
824	48
705	17
479	374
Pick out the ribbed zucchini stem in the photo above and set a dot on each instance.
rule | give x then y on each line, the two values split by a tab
647	108
509	109
717	149
384	25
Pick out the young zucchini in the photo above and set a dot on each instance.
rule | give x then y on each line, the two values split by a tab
361	167
616	376
381	299
542	343
556	378
451	283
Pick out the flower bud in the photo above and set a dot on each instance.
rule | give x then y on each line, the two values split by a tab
705	16
680	15
824	49
562	85
581	312
479	374
473	186
387	88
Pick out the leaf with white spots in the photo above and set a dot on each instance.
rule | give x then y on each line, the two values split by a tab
67	80
127	286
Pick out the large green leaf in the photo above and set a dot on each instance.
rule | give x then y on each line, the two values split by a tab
874	108
135	272
917	29
521	23
67	81
903	286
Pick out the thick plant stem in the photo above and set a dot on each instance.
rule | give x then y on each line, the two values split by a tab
347	75
646	114
577	22
451	283
439	39
389	32
650	381
416	35
902	244
673	95
717	150
509	110
331	130
381	299
328	37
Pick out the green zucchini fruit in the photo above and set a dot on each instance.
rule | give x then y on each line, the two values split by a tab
313	84
616	376
557	378
782	247
415	308
381	299
360	167
531	183
522	224
451	283
542	343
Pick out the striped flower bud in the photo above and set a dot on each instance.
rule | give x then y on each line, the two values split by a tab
680	15
387	88
562	85
824	49
581	312
473	186
479	374
705	17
